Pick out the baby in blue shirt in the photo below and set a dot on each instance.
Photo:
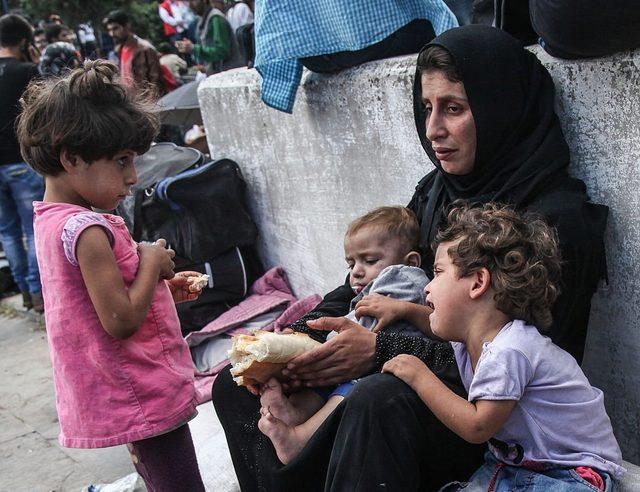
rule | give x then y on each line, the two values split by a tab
496	277
381	252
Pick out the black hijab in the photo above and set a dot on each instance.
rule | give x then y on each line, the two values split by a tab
521	159
521	153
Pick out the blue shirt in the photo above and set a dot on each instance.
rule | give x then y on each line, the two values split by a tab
559	419
287	30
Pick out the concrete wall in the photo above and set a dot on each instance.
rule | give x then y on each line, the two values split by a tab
351	145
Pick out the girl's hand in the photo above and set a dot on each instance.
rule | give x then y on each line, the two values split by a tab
406	367
385	309
159	253
179	287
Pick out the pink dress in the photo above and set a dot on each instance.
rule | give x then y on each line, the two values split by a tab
108	391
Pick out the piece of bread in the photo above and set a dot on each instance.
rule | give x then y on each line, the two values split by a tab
196	284
256	358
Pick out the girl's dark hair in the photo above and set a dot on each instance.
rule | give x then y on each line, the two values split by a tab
437	58
88	113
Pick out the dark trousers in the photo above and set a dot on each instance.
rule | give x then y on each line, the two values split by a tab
167	463
408	39
381	437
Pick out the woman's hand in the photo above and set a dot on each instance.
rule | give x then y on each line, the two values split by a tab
348	355
159	253
181	289
384	309
406	367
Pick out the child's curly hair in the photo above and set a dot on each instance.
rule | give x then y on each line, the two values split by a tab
87	112
520	251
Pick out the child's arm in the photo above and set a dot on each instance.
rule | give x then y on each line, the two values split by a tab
120	311
475	422
387	310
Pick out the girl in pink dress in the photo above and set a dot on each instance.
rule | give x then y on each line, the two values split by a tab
122	371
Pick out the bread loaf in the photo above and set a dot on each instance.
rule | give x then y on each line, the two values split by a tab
255	358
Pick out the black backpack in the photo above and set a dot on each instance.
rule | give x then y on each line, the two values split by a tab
202	214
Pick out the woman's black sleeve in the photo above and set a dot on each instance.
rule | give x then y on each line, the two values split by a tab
438	356
335	303
583	266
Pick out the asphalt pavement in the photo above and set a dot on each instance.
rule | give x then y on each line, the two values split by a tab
30	457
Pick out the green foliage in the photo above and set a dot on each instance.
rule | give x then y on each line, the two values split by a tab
144	14
71	11
146	21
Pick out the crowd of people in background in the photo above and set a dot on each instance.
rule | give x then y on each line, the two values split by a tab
201	36
200	40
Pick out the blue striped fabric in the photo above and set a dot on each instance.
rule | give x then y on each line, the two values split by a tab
287	30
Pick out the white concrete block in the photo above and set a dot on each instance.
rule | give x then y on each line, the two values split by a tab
351	145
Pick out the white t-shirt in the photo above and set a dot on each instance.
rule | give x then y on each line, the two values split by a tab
239	15
559	420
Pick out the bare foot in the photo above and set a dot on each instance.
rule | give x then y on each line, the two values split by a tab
279	405
286	439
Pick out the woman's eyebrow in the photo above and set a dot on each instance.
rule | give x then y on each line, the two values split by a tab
448	97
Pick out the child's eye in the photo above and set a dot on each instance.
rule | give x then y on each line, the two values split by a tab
371	261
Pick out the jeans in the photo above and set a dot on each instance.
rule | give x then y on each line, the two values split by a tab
506	478
19	187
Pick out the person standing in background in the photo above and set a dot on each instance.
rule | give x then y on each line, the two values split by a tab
216	46
59	32
39	39
171	14
20	186
138	59
239	14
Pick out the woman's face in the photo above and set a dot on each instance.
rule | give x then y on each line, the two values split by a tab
449	123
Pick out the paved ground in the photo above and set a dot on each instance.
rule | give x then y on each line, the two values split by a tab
31	459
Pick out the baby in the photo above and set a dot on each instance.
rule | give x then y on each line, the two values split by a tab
381	252
495	281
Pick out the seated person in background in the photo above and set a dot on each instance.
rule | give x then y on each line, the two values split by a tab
169	59
351	33
381	249
496	277
54	33
216	44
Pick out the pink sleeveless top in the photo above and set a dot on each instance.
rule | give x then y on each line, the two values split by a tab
108	391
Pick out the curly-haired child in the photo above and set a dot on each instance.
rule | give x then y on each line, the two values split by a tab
495	281
122	371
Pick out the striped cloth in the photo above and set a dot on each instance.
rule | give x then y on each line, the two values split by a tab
287	30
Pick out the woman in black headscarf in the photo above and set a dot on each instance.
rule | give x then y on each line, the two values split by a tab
484	112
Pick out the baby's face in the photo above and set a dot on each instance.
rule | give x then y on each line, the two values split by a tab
368	252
